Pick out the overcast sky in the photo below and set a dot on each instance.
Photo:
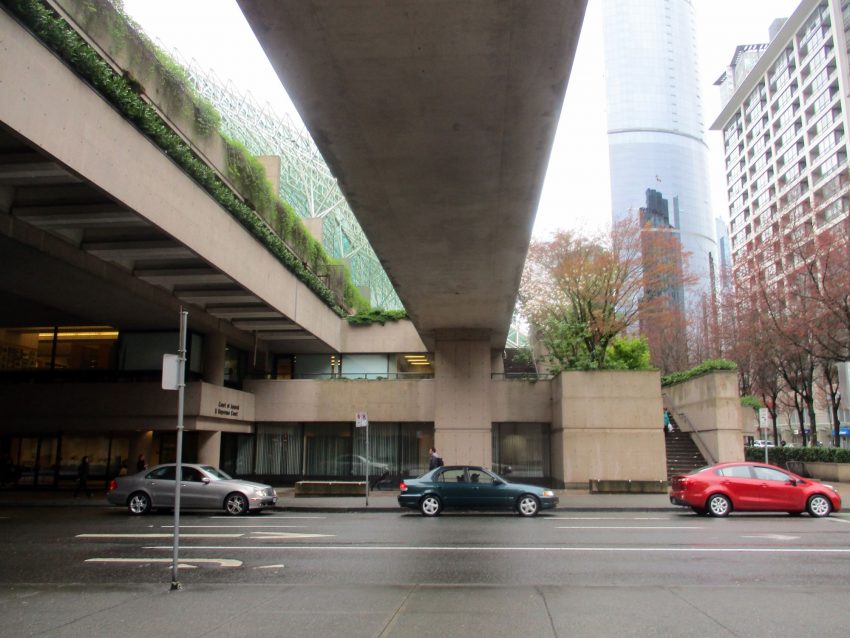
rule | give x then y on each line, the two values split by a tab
576	192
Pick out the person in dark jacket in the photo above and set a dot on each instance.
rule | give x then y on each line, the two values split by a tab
434	460
83	477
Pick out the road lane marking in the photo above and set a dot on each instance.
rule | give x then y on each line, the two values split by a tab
188	562
630	527
233	526
838	520
280	566
287	535
774	537
607	518
407	548
312	518
156	535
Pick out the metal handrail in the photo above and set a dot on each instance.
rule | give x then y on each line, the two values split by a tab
702	446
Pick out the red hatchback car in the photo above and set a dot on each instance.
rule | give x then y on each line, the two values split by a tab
751	487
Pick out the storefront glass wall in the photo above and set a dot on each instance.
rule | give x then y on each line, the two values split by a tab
524	447
62	348
291	451
279	450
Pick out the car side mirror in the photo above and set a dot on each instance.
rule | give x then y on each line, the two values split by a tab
791	481
205	480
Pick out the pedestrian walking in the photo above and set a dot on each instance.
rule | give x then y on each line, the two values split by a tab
141	463
83	477
434	459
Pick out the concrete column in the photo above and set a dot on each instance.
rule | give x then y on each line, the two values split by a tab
462	424
497	361
209	448
215	345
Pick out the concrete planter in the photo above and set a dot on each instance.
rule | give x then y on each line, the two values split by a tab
839	472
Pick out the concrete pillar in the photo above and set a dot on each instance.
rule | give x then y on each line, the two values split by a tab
497	361
462	424
209	448
215	345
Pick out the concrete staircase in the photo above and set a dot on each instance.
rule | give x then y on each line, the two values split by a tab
682	453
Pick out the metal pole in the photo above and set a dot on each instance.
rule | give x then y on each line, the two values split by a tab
367	464
178	470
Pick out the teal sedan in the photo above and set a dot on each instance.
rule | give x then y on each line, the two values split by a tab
472	487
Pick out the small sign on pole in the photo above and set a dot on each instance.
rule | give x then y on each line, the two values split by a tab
361	420
170	371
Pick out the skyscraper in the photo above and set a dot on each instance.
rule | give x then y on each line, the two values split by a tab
655	120
784	129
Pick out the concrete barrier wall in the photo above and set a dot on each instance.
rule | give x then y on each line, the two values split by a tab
607	425
712	408
339	400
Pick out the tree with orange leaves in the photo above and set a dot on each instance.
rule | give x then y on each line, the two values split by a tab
579	293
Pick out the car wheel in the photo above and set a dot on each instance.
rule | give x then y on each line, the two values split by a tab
718	505
139	503
819	506
528	505
430	505
236	504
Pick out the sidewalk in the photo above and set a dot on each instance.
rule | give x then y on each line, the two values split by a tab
379	501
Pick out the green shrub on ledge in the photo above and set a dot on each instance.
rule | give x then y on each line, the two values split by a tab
709	365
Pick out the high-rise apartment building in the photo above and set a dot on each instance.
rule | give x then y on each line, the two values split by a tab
655	120
785	134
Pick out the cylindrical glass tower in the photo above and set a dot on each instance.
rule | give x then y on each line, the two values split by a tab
655	119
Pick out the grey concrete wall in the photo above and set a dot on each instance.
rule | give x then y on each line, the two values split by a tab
607	425
710	407
303	400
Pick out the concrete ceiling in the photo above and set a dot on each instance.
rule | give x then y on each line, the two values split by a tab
437	117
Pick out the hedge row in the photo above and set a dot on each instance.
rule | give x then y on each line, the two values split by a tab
781	455
709	365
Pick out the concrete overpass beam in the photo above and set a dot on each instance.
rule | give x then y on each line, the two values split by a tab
462	424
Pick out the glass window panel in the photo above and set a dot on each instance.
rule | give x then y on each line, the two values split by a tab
314	366
524	447
364	366
325	448
279	450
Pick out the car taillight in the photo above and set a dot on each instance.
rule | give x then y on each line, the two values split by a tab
402	487
113	485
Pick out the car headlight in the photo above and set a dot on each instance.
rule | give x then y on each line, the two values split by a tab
548	493
831	487
260	491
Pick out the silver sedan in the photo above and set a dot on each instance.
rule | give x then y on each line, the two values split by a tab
202	487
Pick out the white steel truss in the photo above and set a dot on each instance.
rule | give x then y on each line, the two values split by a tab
306	182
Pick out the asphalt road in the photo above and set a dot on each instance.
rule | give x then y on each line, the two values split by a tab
400	574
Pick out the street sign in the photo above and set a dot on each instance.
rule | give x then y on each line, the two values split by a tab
170	372
764	418
361	420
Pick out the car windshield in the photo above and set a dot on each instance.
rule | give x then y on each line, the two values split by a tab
215	473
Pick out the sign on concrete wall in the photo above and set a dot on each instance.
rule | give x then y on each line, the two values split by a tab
361	420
